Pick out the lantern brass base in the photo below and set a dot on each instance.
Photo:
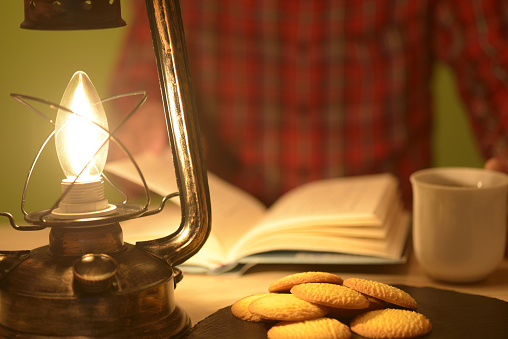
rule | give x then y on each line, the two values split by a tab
130	297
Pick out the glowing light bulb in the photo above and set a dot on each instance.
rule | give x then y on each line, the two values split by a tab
78	139
82	149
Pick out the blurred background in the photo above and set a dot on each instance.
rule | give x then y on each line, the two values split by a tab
41	63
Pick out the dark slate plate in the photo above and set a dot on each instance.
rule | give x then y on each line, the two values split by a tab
452	314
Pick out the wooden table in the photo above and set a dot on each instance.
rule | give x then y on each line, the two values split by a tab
202	295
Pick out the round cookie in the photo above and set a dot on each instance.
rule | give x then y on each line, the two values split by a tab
330	295
382	291
391	323
240	309
286	307
374	304
284	284
325	328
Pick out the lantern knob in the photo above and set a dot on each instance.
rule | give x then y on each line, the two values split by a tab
94	273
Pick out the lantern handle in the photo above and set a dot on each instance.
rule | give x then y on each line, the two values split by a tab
183	129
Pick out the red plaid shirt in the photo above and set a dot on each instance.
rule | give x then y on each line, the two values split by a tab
291	91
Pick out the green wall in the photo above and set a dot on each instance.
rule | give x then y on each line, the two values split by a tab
454	144
41	63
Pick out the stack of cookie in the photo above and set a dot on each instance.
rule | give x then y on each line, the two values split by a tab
319	304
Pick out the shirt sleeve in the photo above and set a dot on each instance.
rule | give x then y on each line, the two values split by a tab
471	36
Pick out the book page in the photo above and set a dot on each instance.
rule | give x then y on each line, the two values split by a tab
234	211
349	201
152	227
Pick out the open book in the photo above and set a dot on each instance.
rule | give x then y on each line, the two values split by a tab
350	220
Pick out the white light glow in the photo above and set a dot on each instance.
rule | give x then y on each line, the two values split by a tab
77	136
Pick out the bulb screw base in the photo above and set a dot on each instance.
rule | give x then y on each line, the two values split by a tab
83	200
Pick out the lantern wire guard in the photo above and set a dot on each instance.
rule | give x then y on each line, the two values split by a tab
88	283
124	211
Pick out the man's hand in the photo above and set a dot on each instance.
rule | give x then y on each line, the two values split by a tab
497	164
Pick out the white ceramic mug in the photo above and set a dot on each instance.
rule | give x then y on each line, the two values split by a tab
459	222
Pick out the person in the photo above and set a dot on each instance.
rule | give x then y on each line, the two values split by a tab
291	91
